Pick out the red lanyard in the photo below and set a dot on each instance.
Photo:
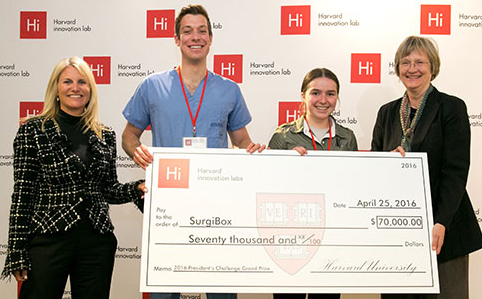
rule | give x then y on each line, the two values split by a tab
193	120
313	137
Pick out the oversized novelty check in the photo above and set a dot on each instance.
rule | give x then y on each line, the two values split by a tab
345	222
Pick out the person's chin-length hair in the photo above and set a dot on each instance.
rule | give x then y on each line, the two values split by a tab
421	45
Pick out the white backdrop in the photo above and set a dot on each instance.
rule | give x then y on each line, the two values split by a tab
253	43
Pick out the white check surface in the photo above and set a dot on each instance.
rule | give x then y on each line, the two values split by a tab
343	222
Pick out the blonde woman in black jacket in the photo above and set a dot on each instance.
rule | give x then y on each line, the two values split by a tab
64	180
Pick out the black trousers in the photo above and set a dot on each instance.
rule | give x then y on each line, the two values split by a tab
303	296
82	254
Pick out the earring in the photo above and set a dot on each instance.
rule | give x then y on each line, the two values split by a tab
57	99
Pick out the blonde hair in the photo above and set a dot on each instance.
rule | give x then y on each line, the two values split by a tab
90	116
421	45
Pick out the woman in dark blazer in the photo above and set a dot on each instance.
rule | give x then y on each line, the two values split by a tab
426	120
64	180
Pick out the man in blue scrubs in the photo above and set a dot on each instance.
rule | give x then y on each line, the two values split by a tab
188	104
187	101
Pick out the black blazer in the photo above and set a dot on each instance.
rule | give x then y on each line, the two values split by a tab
50	183
443	132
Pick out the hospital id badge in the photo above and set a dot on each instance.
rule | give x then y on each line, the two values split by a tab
195	142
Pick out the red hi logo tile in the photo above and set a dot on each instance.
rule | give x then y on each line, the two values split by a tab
160	23
229	66
288	112
365	68
173	173
295	20
33	24
100	66
435	19
28	109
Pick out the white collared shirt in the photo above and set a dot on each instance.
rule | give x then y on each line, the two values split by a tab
306	131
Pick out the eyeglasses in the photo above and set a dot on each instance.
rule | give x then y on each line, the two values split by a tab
406	64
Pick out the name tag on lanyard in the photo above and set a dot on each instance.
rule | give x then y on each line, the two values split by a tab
195	142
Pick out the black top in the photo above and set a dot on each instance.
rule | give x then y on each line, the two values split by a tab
79	145
72	127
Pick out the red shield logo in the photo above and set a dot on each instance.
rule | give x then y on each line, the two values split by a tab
296	222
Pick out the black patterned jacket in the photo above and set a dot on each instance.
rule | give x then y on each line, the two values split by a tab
50	182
